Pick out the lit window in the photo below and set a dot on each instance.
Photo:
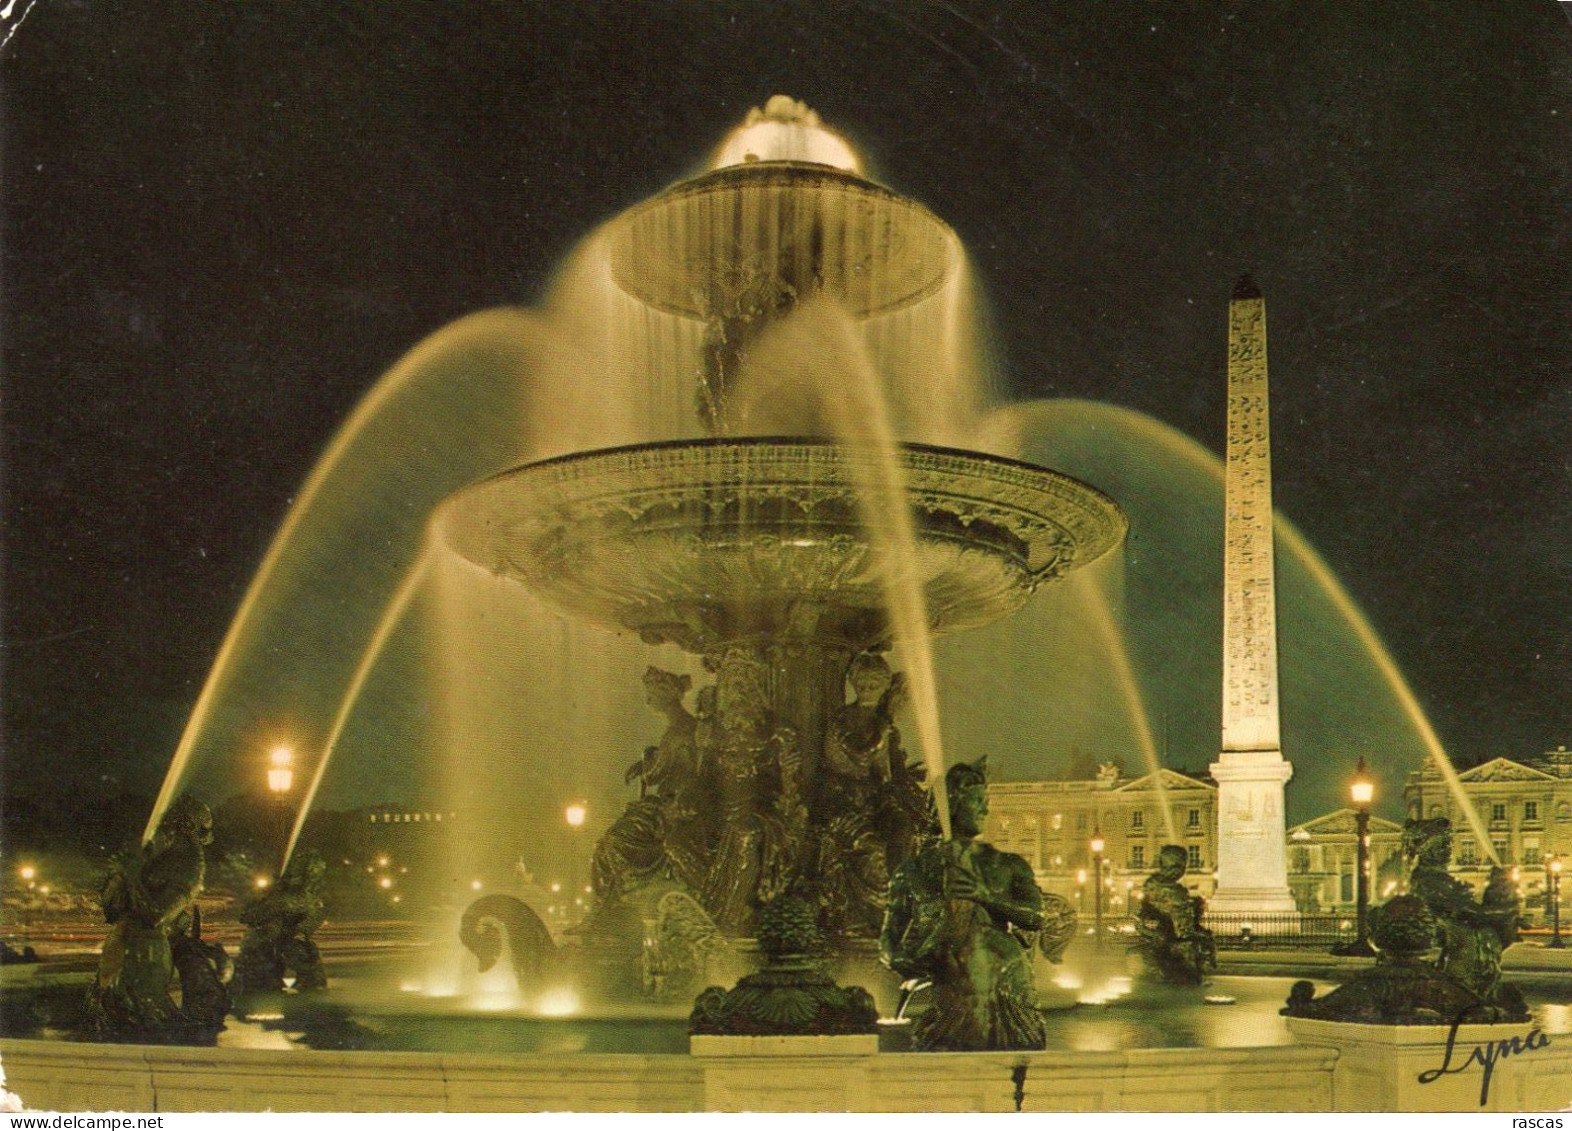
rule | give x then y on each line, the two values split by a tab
1058	821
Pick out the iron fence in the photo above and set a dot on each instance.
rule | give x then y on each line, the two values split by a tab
1235	931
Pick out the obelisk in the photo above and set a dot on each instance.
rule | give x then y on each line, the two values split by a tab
1252	871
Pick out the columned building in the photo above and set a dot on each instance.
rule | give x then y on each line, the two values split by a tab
1524	811
1323	862
1051	824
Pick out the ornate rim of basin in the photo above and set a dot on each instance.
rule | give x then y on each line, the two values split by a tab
702	247
699	541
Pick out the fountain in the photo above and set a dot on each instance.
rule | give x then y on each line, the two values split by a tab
747	450
781	558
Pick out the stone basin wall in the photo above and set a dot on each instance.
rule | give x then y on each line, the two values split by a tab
1336	1068
60	1076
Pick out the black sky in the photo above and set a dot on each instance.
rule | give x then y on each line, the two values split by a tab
223	222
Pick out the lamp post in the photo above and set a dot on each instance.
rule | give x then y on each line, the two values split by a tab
574	815
1097	888
280	779
30	875
1553	893
1361	790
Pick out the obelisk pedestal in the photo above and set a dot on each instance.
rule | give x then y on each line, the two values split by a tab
1252	868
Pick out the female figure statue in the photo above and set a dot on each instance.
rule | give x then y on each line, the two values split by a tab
858	743
758	782
957	914
665	831
861	818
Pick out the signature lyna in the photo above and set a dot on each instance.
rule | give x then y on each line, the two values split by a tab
1485	1055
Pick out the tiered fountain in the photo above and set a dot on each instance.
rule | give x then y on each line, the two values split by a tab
756	441
794	537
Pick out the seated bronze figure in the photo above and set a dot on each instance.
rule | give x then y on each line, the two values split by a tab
963	915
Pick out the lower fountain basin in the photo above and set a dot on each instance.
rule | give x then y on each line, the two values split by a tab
707	541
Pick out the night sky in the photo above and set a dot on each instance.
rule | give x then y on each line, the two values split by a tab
222	223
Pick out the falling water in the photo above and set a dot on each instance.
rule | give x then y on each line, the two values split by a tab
813	368
1092	589
1394	678
448	413
391	619
538	708
1122	449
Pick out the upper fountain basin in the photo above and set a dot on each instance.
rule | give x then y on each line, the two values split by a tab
746	236
708	541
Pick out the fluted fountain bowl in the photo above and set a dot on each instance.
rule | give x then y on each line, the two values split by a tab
704	542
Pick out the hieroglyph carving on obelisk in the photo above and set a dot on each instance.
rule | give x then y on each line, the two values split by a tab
1252	871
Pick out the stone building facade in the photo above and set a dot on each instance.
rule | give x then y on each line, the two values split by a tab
1323	865
1051	824
1524	807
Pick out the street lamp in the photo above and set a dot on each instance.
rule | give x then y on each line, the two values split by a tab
1553	894
574	815
1097	887
1361	791
280	779
30	874
281	773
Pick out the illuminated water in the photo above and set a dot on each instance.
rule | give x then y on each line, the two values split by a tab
392	675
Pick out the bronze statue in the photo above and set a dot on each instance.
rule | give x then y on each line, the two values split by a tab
1473	932
149	900
858	744
1404	987
279	927
960	916
1407	987
724	812
1173	945
861	817
667	830
758	780
493	920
